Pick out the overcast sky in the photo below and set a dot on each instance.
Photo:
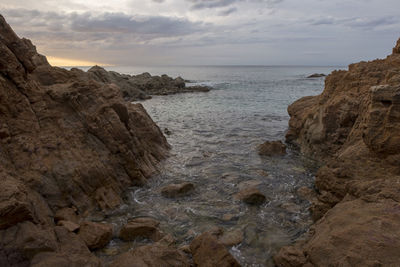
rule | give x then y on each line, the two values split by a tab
208	32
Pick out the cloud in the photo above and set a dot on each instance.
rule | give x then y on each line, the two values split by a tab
365	23
204	4
227	12
104	26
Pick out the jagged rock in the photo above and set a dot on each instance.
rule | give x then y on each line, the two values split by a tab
177	190
66	141
316	75
251	196
141	227
207	251
353	128
95	235
271	148
152	255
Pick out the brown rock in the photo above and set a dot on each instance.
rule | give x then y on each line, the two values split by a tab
71	226
207	251
251	196
396	49
232	238
141	227
95	235
66	214
177	190
272	148
352	127
152	255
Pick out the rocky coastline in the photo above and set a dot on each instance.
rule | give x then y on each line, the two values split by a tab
353	127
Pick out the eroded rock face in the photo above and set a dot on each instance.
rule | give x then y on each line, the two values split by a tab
353	127
66	141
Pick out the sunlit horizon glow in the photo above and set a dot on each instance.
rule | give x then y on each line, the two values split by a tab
69	62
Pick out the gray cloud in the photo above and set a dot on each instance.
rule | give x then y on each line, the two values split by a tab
204	4
366	23
227	12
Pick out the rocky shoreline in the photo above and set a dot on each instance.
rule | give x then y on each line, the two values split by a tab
353	127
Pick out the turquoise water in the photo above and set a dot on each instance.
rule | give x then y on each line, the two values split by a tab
214	139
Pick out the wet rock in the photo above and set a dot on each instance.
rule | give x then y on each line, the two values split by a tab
232	238
306	193
141	227
248	184
177	190
207	251
228	217
272	148
152	255
167	131
316	75
250	196
66	214
95	235
71	226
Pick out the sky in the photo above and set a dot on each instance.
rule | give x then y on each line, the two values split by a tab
207	32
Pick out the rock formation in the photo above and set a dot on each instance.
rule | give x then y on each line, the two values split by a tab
135	87
68	145
353	126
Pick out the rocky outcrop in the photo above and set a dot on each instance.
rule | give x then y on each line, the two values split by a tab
353	127
68	145
142	86
316	75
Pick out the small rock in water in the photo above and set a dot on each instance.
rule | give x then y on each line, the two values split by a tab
249	183
177	190
228	217
251	196
272	148
140	227
167	132
232	238
316	75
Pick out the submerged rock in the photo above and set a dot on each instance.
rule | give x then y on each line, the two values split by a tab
207	251
251	196
272	148
177	190
141	227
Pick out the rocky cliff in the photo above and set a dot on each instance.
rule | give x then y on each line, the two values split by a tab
354	127
68	145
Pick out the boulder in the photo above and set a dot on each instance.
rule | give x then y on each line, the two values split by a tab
71	226
141	227
177	190
95	235
251	196
272	148
207	251
66	214
152	255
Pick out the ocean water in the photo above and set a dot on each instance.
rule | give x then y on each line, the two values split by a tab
214	137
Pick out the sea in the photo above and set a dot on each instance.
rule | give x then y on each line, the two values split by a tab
214	138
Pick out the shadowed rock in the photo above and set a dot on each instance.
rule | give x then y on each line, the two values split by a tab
251	196
141	227
271	148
